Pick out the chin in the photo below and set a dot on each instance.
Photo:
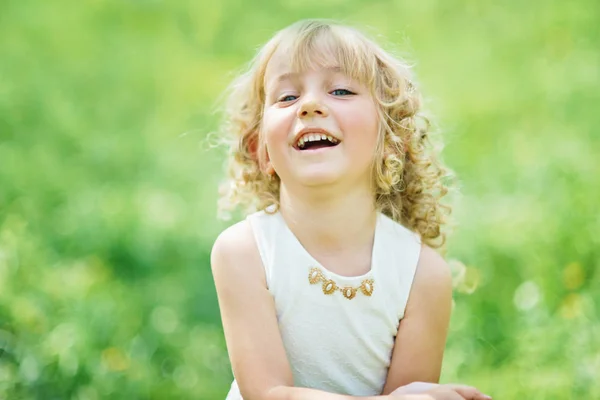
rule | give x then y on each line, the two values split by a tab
318	177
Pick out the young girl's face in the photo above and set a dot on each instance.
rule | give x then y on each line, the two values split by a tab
301	107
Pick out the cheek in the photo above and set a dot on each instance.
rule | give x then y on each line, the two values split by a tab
363	123
275	127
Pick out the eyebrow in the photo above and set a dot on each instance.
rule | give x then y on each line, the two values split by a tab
290	75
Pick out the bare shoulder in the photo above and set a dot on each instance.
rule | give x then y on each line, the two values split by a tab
433	272
425	324
432	285
248	314
236	238
235	253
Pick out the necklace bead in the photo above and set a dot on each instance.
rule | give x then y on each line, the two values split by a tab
315	275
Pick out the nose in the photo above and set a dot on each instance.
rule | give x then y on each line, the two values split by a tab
312	109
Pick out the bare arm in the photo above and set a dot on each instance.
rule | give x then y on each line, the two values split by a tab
421	339
248	313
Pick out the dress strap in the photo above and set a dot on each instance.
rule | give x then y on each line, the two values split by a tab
398	254
265	230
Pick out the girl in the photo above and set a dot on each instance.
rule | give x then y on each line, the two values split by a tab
330	288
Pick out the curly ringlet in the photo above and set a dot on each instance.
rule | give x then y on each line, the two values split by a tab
408	178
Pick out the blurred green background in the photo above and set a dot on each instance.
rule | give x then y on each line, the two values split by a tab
108	188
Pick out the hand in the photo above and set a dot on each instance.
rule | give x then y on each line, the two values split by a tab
415	388
433	391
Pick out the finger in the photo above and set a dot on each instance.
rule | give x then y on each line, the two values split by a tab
470	393
453	395
414	388
444	392
420	387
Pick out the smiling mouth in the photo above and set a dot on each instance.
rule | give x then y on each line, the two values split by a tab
314	141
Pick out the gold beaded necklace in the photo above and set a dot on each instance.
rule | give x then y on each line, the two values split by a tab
315	276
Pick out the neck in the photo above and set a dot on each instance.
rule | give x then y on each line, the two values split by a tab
328	219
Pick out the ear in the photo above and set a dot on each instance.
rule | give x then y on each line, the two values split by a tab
263	158
269	169
265	164
257	150
250	141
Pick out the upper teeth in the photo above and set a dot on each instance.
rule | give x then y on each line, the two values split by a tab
313	137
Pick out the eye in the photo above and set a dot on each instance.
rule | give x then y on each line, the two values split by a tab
342	92
289	97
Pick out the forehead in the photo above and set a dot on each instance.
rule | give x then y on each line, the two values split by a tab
278	64
281	66
332	50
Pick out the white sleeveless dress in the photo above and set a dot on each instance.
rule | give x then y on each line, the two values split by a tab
336	344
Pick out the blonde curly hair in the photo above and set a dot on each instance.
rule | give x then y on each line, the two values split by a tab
408	179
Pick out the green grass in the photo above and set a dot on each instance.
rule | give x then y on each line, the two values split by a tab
108	191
